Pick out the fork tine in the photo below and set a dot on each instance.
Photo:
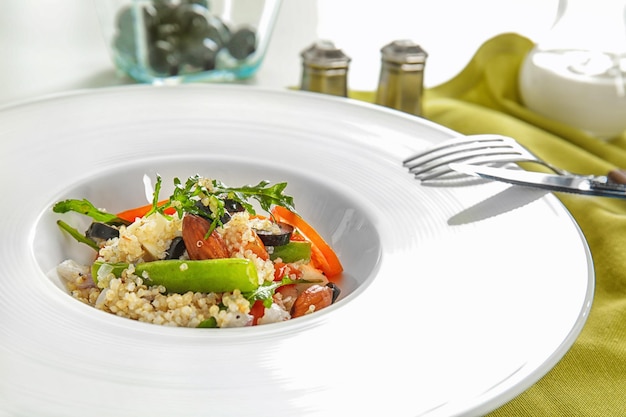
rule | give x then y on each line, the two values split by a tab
462	141
469	149
443	170
464	157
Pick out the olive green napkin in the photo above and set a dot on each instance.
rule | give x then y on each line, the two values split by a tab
590	380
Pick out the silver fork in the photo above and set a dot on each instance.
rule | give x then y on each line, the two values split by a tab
497	150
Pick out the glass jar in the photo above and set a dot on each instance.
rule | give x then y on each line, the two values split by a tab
175	41
577	74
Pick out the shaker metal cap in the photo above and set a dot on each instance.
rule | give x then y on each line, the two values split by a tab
404	52
325	54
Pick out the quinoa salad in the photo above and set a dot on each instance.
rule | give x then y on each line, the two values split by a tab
203	257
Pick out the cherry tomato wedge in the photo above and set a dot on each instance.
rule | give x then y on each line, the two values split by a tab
322	255
257	311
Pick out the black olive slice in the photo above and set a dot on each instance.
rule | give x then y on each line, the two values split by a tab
226	218
203	208
101	231
176	249
271	239
336	290
232	206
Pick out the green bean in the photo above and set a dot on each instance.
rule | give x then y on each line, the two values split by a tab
180	276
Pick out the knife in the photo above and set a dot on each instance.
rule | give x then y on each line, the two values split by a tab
577	184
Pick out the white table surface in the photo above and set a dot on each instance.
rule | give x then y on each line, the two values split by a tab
52	46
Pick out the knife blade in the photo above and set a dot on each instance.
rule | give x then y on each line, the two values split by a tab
576	184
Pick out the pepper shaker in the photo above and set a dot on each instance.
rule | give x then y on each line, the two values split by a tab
325	69
401	81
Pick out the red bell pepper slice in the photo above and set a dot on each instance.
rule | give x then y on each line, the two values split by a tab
323	256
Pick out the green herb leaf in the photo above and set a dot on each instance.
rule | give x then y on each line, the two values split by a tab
85	207
77	235
266	291
209	323
205	197
155	199
266	195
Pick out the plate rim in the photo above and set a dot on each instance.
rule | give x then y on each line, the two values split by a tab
487	406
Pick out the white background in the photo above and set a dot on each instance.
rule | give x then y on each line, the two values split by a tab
50	46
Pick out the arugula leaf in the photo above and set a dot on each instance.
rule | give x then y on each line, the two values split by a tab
155	199
209	323
77	235
205	197
84	206
266	291
266	196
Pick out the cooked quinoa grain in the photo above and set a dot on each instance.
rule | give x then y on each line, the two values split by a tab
129	297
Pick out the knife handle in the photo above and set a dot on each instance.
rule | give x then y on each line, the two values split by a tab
618	176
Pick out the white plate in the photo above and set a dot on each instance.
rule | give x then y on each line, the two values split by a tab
444	312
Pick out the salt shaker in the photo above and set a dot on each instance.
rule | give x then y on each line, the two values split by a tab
401	81
325	69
